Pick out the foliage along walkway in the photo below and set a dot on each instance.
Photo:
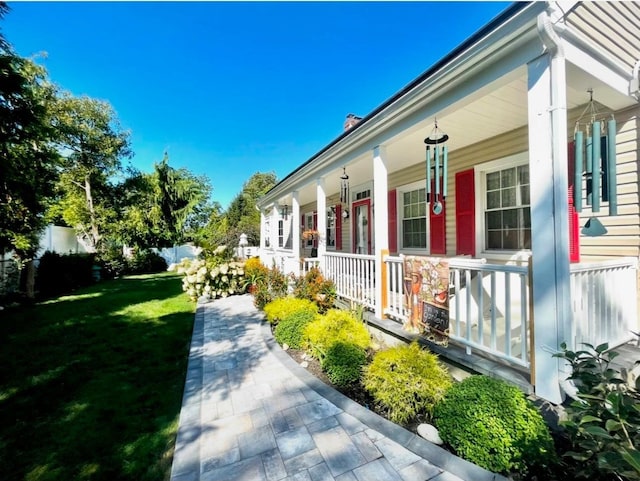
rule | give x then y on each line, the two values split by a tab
251	413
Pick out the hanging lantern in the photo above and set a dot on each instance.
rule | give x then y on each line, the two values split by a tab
437	160
595	159
284	211
344	187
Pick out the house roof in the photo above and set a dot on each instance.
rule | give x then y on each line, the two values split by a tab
503	17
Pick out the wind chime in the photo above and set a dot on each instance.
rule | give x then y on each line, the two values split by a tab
437	160
595	160
344	187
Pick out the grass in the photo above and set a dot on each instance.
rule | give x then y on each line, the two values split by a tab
91	383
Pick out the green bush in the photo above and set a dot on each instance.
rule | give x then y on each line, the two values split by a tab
280	308
491	424
267	284
343	363
290	329
59	274
335	326
146	262
406	381
112	261
314	287
604	425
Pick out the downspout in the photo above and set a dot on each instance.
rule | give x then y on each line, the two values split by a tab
558	111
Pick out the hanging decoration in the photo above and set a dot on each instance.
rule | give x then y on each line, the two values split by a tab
344	187
595	159
437	161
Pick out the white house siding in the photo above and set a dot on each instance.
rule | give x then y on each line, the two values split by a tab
613	26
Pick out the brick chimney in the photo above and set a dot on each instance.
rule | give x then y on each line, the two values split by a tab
351	121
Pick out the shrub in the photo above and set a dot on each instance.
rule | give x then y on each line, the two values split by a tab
343	363
604	425
335	326
269	284
290	329
59	274
200	279
406	381
314	287
112	261
283	307
146	262
491	424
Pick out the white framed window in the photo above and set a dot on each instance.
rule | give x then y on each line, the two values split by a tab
331	227
280	233
412	216
267	231
506	210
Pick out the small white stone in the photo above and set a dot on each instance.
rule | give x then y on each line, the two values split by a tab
304	364
285	346
430	433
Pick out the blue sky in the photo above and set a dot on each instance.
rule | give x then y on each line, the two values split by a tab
230	89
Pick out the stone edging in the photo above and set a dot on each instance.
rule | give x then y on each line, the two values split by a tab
414	443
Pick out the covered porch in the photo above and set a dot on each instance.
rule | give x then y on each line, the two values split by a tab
523	278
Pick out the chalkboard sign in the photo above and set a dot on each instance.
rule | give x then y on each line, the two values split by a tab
436	323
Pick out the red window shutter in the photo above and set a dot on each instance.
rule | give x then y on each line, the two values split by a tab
465	213
392	220
437	227
338	227
574	218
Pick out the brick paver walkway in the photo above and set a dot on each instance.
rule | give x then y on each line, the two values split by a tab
250	413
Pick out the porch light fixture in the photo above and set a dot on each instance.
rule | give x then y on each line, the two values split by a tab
344	186
595	159
284	211
437	159
345	213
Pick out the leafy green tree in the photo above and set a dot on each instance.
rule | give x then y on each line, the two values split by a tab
93	144
242	215
163	208
28	165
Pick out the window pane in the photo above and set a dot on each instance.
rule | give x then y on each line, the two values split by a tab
422	211
494	220
526	218
407	212
526	238
422	195
493	200
510	239
523	174
406	198
524	195
494	240
508	177
510	218
509	197
493	181
414	196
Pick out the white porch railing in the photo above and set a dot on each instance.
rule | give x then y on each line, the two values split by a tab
488	306
309	263
353	276
604	302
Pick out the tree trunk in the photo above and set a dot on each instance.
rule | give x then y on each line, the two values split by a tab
95	234
30	284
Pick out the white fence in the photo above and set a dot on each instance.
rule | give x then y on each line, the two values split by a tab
488	306
353	276
604	302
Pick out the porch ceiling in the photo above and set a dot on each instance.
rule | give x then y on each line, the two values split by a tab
500	108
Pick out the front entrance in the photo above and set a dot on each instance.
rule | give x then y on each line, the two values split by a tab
361	226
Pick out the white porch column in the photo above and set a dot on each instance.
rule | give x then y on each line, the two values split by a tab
380	221
274	227
263	233
549	219
295	227
321	206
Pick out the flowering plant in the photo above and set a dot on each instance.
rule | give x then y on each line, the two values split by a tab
310	234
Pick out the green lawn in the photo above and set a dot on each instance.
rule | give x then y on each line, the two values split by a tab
91	383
